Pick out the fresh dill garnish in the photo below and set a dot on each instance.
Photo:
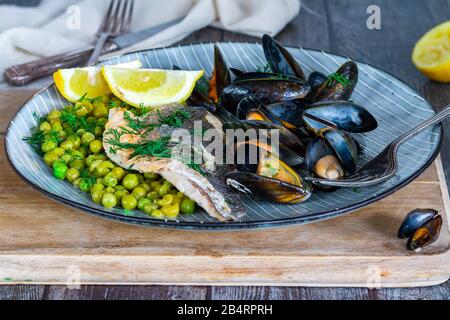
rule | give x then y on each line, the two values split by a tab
176	119
69	116
86	176
196	167
153	148
37	136
335	76
137	125
113	104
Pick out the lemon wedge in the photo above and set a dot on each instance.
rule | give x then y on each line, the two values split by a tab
150	87
431	55
76	82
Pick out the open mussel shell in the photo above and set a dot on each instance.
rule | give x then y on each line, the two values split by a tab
344	115
267	188
263	139
321	160
243	76
279	59
414	220
266	90
344	148
339	85
426	234
220	77
290	111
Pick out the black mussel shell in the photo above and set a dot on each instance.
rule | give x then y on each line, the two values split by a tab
290	111
267	91
221	75
344	148
287	154
263	76
279	59
426	234
268	188
315	79
333	89
250	104
414	220
237	72
342	115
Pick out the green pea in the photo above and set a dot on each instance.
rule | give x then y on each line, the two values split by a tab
90	159
80	132
140	177
67	145
59	151
83	151
110	189
155	185
98	131
97	187
164	189
129	202
85	185
48	145
76	141
166	200
145	186
45	127
62	134
149	208
83	108
99	181
56	126
76	183
54	114
91	121
66	158
101	122
94	165
119	188
109	200
187	206
50	157
100	111
157	214
142	202
171	211
151	175
97	196
120	194
87	138
110	180
118	172
72	174
59	169
153	195
130	181
101	171
95	146
139	192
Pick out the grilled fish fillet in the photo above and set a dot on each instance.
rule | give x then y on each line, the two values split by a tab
208	188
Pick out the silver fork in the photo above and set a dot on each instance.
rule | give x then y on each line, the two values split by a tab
384	165
117	21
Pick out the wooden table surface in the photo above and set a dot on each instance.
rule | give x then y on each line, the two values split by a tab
340	27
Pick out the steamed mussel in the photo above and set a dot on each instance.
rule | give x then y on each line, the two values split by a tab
421	227
268	177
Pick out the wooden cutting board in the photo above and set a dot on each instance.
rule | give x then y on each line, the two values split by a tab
42	241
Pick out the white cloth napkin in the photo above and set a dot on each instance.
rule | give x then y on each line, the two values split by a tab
57	26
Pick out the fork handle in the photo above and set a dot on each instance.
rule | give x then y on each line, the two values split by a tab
98	49
438	117
22	74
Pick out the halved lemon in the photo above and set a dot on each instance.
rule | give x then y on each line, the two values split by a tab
76	82
431	55
150	87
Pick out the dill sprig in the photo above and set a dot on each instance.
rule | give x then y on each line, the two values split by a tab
86	176
335	76
69	116
37	136
153	148
176	119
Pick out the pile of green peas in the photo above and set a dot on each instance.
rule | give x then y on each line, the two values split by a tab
78	157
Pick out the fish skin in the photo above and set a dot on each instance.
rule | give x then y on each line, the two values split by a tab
209	191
